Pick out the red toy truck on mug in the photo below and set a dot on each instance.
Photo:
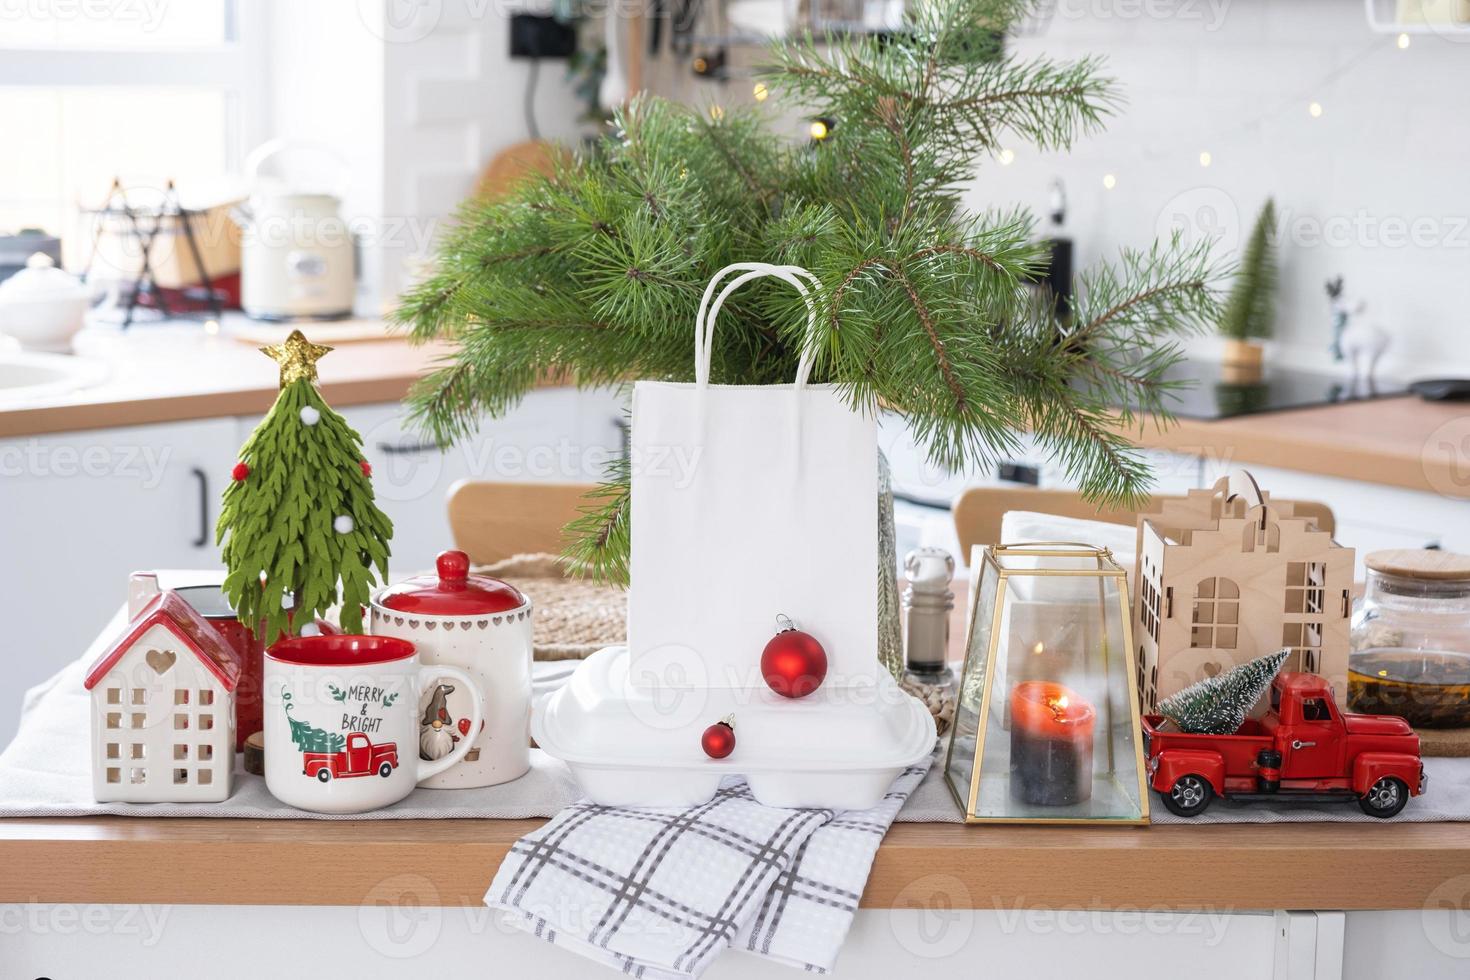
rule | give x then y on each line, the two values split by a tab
1304	748
360	757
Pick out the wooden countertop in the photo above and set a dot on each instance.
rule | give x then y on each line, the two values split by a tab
1401	442
450	862
174	374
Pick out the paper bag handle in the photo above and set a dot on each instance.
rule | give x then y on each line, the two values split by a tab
704	322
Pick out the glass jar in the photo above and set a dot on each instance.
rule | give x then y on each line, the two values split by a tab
1410	653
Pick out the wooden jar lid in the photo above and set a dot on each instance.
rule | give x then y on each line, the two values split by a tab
1420	563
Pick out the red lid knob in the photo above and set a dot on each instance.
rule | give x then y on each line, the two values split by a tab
454	569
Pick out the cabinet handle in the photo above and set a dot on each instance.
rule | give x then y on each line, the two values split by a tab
203	478
409	448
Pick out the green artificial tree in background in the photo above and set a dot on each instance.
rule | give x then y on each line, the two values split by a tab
1250	311
299	528
596	271
1218	705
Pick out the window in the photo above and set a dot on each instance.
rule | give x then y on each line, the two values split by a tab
1216	615
1306	587
145	92
1150	615
1315	709
1305	641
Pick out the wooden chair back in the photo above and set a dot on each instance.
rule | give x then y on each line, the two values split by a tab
979	510
494	521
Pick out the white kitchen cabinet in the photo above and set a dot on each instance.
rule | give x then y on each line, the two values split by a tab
78	512
555	434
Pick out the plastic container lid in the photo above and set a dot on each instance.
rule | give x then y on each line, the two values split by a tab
455	592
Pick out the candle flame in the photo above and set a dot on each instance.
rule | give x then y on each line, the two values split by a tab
1039	649
1057	706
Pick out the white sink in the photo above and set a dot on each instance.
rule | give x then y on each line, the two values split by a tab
27	376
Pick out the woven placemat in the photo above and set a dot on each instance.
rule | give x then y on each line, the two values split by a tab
573	617
1446	742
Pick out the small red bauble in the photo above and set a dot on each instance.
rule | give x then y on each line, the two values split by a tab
793	662
240	472
718	739
367	468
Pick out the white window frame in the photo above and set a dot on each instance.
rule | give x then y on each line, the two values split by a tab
237	67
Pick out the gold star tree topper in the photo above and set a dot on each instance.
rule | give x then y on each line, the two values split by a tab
297	357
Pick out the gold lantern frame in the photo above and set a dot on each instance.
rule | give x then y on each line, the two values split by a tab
992	557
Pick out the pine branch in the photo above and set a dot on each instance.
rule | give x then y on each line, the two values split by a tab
926	309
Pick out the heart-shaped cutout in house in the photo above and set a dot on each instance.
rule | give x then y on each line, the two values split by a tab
160	660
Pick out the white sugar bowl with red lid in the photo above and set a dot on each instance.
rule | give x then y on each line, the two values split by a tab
481	625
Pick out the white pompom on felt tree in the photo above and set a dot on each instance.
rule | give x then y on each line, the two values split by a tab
298	526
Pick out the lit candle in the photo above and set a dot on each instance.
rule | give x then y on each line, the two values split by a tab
1051	744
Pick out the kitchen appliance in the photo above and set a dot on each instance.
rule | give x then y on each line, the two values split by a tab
43	306
298	257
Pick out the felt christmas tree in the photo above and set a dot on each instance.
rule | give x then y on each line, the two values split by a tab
1218	705
298	525
1250	312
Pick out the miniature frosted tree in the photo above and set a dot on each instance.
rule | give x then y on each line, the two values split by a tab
298	525
1218	705
1250	312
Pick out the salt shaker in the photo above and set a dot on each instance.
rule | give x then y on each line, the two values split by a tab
927	602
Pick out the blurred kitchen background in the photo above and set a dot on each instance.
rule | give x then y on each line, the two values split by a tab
141	136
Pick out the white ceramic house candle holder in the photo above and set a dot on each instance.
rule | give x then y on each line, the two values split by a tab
163	711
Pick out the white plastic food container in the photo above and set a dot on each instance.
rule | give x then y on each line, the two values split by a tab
840	747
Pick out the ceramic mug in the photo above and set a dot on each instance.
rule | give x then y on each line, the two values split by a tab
342	721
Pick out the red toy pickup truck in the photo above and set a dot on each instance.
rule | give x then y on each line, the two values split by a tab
1304	748
360	757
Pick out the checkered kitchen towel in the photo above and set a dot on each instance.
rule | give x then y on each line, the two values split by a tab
659	893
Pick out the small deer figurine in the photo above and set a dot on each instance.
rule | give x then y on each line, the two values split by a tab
1355	343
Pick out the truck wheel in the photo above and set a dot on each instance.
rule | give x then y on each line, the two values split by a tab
1189	796
1385	798
385	770
324	775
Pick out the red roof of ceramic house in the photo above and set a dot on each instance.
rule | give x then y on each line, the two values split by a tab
169	610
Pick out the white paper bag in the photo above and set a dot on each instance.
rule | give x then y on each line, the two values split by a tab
749	502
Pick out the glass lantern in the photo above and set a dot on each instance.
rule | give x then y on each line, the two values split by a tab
1047	729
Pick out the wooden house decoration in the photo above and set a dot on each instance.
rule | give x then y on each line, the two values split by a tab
163	709
1226	575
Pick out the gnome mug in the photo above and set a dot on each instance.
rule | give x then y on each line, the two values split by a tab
342	731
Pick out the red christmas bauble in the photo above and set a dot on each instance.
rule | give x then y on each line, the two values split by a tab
240	472
367	468
718	739
793	663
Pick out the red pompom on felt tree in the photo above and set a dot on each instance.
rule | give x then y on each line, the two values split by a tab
793	663
239	473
